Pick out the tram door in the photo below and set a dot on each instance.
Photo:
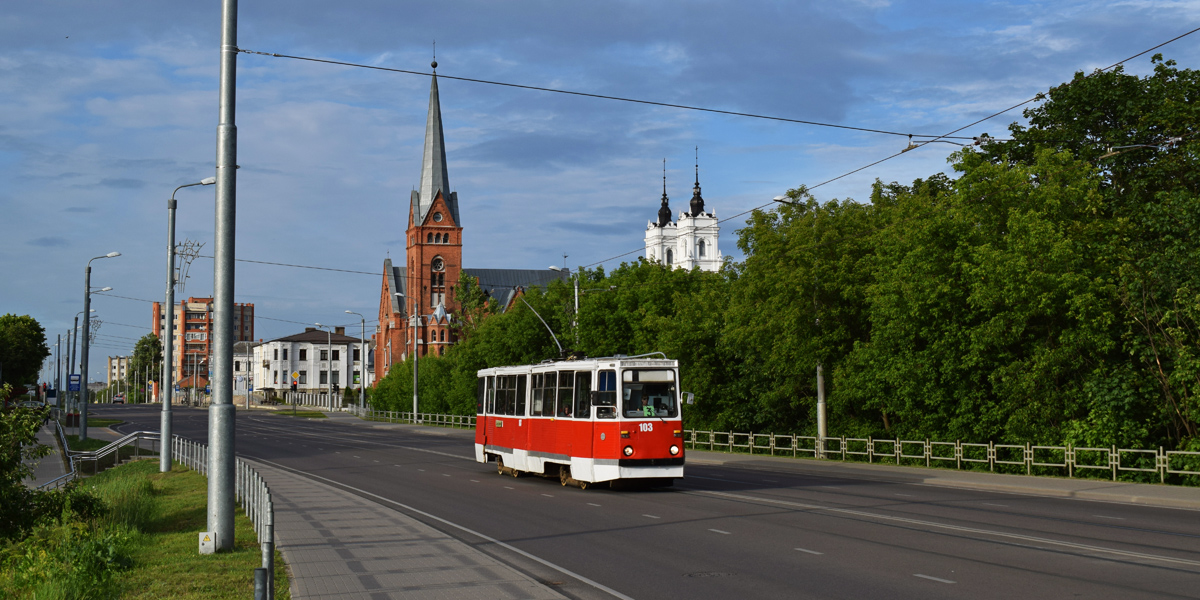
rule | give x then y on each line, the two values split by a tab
581	438
489	407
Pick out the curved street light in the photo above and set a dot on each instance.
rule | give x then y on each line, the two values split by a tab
168	332
83	353
362	358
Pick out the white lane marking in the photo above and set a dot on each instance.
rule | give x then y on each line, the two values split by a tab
931	578
421	470
986	532
445	474
376	461
994	504
1108	517
487	538
395	465
357	456
592	504
908	495
810	551
507	487
651	517
548	495
831	487
474	481
719	531
717	479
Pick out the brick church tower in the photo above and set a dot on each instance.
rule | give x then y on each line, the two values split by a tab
432	263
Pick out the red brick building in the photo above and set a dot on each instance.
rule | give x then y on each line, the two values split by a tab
433	264
193	344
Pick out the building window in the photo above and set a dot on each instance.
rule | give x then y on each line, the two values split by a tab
337	355
303	354
237	365
442	335
303	377
324	377
275	377
357	354
336	379
701	247
277	354
429	238
324	356
285	353
356	376
670	256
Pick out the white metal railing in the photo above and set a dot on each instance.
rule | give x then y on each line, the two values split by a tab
72	473
250	489
319	401
1070	459
388	416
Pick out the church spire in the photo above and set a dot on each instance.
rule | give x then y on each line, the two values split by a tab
664	211
434	175
697	204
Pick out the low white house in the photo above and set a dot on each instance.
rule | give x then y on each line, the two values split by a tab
315	360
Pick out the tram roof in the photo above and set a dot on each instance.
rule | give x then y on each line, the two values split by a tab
585	364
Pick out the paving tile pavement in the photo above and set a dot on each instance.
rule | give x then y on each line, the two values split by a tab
339	545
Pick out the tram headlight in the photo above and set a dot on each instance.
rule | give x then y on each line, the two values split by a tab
674	450
628	450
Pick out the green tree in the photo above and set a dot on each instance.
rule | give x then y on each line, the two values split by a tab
145	365
18	443
22	349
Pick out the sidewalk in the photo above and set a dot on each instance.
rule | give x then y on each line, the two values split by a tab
339	545
51	466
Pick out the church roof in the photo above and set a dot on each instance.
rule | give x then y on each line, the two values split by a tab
434	175
502	284
396	283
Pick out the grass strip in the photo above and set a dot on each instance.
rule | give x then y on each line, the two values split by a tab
166	558
307	414
94	422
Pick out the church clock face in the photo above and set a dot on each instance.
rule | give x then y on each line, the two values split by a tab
438	264
437	216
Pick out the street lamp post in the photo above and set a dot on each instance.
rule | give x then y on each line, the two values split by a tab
329	362
73	347
362	359
575	317
83	353
168	383
415	322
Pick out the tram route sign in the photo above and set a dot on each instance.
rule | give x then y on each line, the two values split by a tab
73	382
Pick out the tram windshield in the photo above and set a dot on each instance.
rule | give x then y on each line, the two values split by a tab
649	393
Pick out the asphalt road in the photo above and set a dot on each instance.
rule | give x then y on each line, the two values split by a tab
729	532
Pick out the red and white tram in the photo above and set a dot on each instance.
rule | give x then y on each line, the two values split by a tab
587	421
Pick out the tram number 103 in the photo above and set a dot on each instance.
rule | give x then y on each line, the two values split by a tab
646	426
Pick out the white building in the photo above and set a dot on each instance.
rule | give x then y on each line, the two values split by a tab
118	368
690	242
316	360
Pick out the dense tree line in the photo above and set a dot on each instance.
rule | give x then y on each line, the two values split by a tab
1049	292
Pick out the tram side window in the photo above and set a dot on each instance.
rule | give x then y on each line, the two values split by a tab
520	395
606	395
583	386
535	409
566	385
504	394
490	398
550	383
481	388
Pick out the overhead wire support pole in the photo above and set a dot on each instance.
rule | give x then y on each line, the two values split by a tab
221	413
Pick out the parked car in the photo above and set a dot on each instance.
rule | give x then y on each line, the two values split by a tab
118	399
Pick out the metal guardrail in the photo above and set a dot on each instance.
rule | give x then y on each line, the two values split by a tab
1070	459
318	401
440	420
250	489
72	473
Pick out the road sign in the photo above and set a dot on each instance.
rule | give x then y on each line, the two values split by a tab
73	382
295	374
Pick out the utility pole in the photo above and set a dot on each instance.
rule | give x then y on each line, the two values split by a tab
221	413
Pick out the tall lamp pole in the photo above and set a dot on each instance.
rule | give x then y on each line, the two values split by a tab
415	323
362	358
329	358
83	353
575	317
168	337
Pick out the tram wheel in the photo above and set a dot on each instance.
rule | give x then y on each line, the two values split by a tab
564	475
499	466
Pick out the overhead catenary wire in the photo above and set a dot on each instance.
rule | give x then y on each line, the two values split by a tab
597	96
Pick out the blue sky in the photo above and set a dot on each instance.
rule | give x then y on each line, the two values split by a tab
106	107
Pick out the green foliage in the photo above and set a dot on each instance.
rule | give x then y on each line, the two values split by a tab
144	366
18	443
1049	293
22	349
70	560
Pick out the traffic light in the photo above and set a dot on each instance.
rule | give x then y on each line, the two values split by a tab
337	388
293	385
